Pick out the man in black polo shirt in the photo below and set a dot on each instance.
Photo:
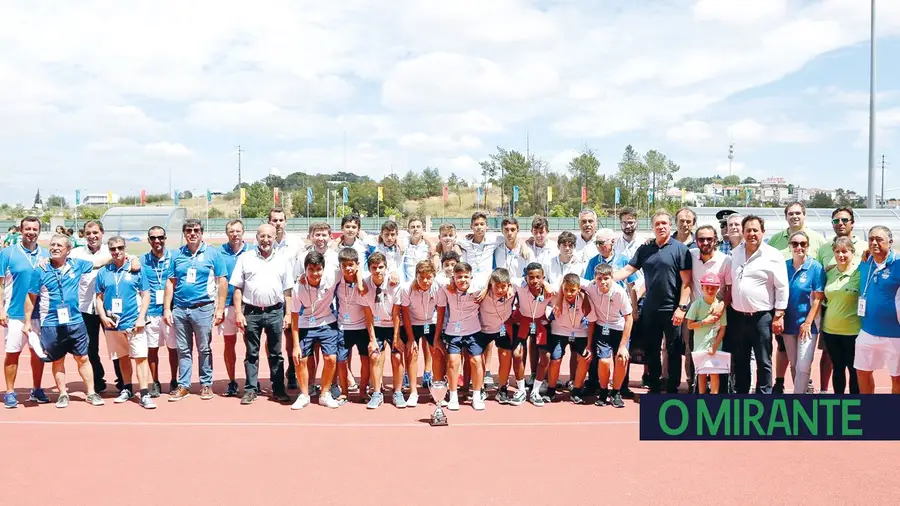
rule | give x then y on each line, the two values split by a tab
667	266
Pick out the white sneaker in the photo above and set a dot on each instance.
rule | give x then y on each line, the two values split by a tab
147	402
453	405
478	403
328	401
301	402
413	400
124	396
536	398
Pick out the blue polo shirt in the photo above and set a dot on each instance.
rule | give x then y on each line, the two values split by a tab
156	272
208	265
59	288
17	265
879	288
115	283
617	261
809	278
662	268
230	259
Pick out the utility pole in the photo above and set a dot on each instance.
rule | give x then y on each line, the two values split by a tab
730	157
871	196
240	204
883	200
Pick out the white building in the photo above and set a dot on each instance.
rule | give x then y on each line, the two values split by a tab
99	199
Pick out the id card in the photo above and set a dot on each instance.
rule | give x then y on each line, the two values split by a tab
117	305
605	330
532	328
861	307
426	328
62	314
458	327
346	317
160	296
376	319
191	275
312	319
572	338
503	331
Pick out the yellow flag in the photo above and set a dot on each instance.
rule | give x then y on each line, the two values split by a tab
380	194
683	193
549	194
109	197
243	196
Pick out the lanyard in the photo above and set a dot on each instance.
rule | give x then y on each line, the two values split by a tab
379	291
534	302
313	300
872	273
159	261
199	251
426	298
349	292
59	274
118	275
33	258
574	308
608	303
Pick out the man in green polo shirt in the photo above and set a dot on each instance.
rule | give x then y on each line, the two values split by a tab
842	223
795	215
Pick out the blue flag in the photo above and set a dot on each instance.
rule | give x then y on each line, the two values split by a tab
346	194
208	196
479	194
77	197
309	195
515	193
618	195
651	196
176	197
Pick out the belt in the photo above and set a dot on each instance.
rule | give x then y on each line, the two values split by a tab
754	313
250	308
198	305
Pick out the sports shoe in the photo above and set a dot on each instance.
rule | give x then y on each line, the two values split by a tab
38	396
519	398
173	387
399	401
94	400
10	401
301	402
180	393
413	400
427	379
276	396
147	402
124	396
353	389
502	396
155	390
488	379
453	404
575	397
62	401
232	389
248	398
602	399
328	401
617	400
478	403
206	393
376	400
536	399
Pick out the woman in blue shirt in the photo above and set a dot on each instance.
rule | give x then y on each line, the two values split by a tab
806	292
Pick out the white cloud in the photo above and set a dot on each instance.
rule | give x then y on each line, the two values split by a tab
747	130
739	11
424	142
690	131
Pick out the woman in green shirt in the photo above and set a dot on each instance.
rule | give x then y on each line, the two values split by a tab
841	324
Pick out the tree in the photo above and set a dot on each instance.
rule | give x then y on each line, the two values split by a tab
453	185
431	182
821	200
186	195
56	201
37	198
259	201
633	174
89	213
412	186
731	181
748	180
508	169
215	212
584	170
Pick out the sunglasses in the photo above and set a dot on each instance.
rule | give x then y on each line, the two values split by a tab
795	244
157	238
705	239
193	230
117	248
835	221
602	242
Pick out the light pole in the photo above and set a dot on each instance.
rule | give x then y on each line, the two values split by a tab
871	197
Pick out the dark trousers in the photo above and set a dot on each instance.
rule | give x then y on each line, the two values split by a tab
754	332
92	323
655	326
842	350
269	321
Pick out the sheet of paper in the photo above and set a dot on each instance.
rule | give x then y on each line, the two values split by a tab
704	363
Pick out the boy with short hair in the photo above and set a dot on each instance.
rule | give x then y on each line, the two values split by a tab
478	247
446	244
383	325
352	322
612	332
449	259
496	318
352	236
568	261
418	307
543	250
534	295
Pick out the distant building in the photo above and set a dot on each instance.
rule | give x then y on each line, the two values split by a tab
99	199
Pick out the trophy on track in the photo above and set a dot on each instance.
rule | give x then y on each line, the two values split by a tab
438	391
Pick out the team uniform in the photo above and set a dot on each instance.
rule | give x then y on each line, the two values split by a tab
609	311
393	258
351	320
155	270
480	255
531	314
463	328
511	260
569	329
122	291
412	255
496	324
558	269
381	301
878	343
228	327
316	321
62	326
422	311
544	255
18	266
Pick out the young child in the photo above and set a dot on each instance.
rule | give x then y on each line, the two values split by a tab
708	332
351	236
389	247
458	303
449	259
496	323
383	324
417	249
418	300
572	326
613	319
534	295
446	244
478	247
352	322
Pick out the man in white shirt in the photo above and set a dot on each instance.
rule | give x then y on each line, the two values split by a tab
705	259
287	248
758	295
262	303
628	241
584	245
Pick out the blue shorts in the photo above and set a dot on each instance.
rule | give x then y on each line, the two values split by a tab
419	333
606	346
353	338
59	340
474	344
556	346
327	336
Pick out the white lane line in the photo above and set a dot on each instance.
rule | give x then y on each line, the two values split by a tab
101	423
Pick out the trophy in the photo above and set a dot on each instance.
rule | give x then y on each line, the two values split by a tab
438	391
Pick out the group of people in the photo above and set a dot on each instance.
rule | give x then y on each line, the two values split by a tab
605	297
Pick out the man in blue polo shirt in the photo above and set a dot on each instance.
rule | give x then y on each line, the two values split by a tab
194	303
155	268
667	264
878	343
231	250
17	264
62	325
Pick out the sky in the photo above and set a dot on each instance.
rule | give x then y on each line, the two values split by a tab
116	96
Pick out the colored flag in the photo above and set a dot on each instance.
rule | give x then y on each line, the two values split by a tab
515	193
109	197
309	195
549	194
683	194
381	194
143	197
445	192
276	195
747	197
175	197
77	197
243	196
346	195
618	196
584	194
208	197
650	196
480	194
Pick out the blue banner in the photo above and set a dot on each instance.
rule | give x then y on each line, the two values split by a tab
618	195
77	197
650	196
176	197
480	194
770	417
346	194
308	195
515	193
208	197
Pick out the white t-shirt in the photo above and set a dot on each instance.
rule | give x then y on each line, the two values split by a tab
412	255
495	312
88	282
393	259
609	308
544	255
558	270
462	311
587	249
511	260
350	309
314	303
719	264
382	304
331	260
572	322
481	255
422	305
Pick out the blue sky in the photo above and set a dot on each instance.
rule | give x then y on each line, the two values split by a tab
110	97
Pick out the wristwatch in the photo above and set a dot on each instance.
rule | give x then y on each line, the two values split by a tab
779	314
683	307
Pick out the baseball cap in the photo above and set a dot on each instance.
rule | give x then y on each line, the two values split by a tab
724	214
710	279
604	234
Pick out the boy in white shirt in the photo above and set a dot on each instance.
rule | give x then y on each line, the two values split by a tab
612	333
458	302
352	236
543	250
389	246
352	322
383	323
478	247
568	261
418	307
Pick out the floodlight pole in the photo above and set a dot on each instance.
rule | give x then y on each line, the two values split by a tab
240	203
871	197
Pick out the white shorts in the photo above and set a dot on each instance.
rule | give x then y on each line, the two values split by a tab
228	327
874	353
159	333
121	344
15	339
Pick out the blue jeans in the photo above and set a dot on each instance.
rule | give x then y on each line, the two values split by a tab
189	324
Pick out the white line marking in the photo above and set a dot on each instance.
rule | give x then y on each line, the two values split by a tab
308	424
